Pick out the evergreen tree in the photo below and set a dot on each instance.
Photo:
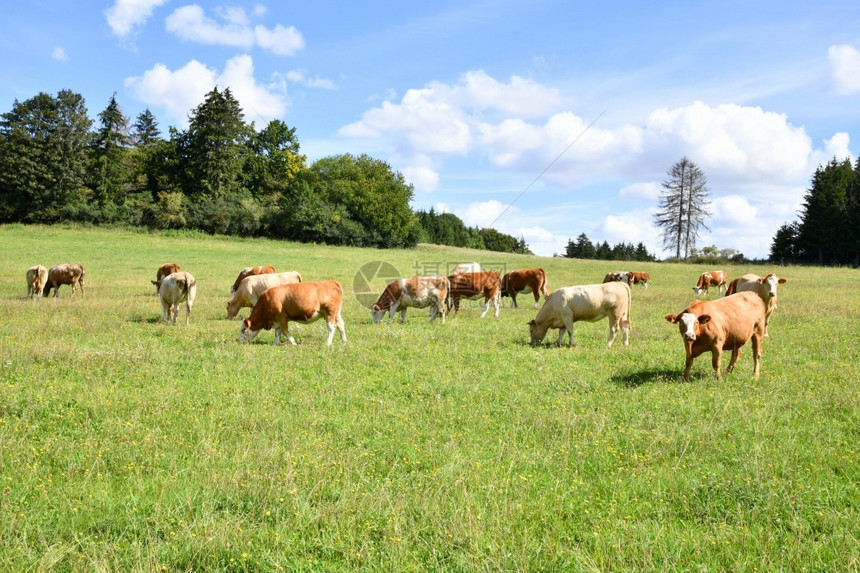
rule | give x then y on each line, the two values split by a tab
824	235
111	171
783	249
145	132
683	207
43	157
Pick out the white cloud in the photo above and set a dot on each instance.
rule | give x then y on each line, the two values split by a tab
179	92
734	210
631	227
649	191
59	54
424	178
125	16
299	77
845	67
485	213
233	28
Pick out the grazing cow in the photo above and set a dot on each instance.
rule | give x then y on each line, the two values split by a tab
176	288
712	278
37	276
641	278
253	286
524	281
415	292
588	302
64	274
473	286
303	302
466	268
764	287
249	272
618	276
723	324
163	271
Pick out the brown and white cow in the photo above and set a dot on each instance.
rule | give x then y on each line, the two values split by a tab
415	292
253	286
473	286
64	274
718	279
524	281
249	272
175	289
37	276
163	271
764	287
723	324
586	302
640	278
618	276
303	302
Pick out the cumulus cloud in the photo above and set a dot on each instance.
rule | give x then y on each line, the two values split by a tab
734	209
233	28
845	68
424	178
179	91
485	213
125	16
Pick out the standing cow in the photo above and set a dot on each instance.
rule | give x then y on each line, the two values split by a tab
64	274
588	302
723	324
640	278
303	302
253	286
415	292
176	288
473	286
250	272
618	276
718	279
163	271
764	287
37	276
524	281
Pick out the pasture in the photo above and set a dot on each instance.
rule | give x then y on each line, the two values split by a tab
127	444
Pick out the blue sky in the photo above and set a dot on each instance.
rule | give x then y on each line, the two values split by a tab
543	119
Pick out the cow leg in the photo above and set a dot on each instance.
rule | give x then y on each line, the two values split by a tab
568	326
403	316
536	293
716	358
736	353
687	366
514	299
331	327
613	329
340	326
486	308
561	332
165	311
187	312
497	302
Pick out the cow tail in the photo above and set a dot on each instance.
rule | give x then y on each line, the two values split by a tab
732	288
449	298
629	308
544	287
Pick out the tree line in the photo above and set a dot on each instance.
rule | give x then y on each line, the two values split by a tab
828	231
220	175
583	248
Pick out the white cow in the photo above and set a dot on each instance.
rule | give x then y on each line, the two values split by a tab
589	302
764	287
415	292
176	288
37	277
252	286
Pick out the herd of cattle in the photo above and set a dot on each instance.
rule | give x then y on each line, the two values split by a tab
276	299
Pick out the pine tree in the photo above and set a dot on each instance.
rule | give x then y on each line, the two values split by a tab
111	171
683	207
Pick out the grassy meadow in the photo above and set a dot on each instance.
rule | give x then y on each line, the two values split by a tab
131	445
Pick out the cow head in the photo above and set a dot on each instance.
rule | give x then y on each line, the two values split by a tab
537	332
771	281
245	332
689	324
377	313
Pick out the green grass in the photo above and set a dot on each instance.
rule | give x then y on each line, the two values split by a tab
127	444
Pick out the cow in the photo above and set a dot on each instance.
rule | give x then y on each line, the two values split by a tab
37	276
176	288
253	286
586	302
249	272
712	278
466	268
723	324
415	292
764	287
64	274
524	281
163	271
302	302
619	276
640	278
473	286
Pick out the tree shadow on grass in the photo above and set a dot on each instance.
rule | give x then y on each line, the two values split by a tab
638	378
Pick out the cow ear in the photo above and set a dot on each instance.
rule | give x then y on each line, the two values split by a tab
704	319
246	324
673	318
782	281
153	282
531	322
376	307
